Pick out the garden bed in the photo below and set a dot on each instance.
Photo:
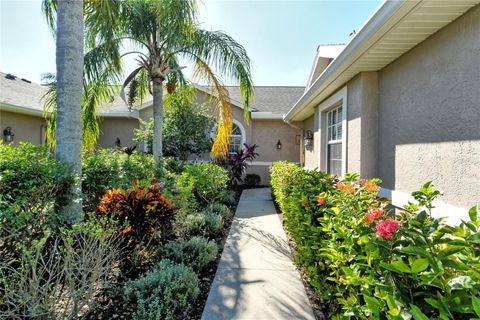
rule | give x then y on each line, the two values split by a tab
148	247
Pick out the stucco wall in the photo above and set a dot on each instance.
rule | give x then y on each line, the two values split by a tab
24	127
310	153
111	128
267	133
362	124
429	115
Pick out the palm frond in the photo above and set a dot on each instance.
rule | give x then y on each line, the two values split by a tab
222	104
223	54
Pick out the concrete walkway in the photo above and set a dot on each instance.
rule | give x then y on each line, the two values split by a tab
256	278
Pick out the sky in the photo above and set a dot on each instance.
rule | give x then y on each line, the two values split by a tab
280	37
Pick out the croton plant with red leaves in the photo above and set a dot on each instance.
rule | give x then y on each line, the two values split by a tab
141	209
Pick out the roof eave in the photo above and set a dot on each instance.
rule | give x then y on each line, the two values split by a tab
388	13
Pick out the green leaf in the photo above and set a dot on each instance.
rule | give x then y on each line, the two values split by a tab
415	250
419	265
417	313
397	266
476	305
373	304
473	213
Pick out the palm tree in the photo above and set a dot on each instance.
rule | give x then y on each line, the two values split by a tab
69	59
161	32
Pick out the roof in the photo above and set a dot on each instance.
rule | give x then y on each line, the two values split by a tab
392	30
23	96
274	99
18	92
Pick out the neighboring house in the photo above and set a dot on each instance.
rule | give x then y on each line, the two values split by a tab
402	102
21	110
276	139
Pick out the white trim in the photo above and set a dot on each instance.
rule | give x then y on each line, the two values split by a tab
266	115
266	163
242	129
452	214
39	113
379	23
119	114
21	110
339	97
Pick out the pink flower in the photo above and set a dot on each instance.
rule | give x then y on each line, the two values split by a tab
386	228
321	201
373	214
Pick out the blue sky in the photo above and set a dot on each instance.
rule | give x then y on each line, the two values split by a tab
280	37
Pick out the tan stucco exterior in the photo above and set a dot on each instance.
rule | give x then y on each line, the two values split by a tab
429	115
417	119
362	120
25	127
310	154
113	128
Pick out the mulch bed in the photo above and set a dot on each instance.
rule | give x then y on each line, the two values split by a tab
110	304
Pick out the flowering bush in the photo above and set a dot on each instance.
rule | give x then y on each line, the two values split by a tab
366	262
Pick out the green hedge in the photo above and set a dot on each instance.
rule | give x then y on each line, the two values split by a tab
367	262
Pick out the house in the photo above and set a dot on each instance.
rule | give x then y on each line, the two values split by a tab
401	102
21	111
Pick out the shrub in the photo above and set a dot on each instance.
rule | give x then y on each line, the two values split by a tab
144	209
220	209
59	275
32	181
206	223
112	168
228	197
205	181
237	163
196	252
252	180
167	292
366	262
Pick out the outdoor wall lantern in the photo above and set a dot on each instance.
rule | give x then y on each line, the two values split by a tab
118	143
8	134
279	145
308	139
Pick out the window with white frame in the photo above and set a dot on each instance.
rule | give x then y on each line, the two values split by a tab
334	141
236	140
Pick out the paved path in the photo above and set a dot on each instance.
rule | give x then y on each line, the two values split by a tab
256	278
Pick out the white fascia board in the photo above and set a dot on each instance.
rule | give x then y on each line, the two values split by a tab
120	114
387	15
21	110
266	115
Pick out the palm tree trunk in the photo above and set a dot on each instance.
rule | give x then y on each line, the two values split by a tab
69	58
157	119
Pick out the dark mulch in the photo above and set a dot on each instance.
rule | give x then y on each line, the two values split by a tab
110	304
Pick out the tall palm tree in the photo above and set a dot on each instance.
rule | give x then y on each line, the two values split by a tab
69	59
161	32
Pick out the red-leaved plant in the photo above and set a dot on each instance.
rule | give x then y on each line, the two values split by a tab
141	209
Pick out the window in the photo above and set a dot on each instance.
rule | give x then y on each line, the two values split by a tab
334	141
236	140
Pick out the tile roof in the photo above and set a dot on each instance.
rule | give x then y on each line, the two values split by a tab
274	99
